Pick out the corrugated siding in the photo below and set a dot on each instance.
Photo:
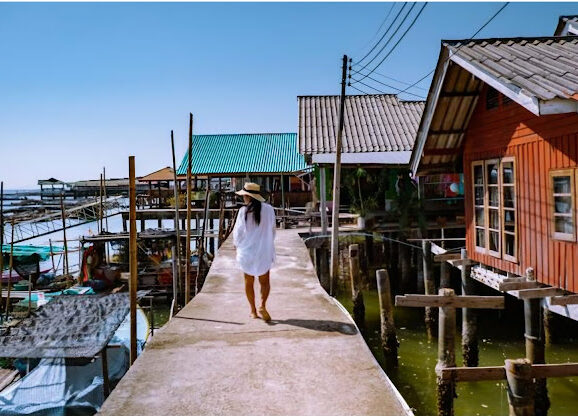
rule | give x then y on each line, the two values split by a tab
244	153
539	144
372	123
543	67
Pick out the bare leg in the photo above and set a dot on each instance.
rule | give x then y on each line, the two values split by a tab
265	289
250	292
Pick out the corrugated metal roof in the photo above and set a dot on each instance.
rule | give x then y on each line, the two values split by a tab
244	153
544	68
372	123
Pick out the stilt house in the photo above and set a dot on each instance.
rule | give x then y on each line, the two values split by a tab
504	112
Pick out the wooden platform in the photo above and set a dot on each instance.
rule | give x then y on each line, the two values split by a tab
213	359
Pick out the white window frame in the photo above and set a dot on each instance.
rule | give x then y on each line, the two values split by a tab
572	173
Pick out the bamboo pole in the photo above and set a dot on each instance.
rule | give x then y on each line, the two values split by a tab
189	194
63	213
1	239
133	258
389	341
356	294
177	277
10	267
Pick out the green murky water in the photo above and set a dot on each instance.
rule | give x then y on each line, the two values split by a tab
501	336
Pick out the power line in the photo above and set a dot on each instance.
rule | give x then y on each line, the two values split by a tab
399	40
390	38
396	80
386	32
380	26
357	89
459	47
387	85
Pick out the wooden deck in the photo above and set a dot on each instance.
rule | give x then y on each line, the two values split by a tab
213	359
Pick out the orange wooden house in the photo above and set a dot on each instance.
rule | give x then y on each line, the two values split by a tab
504	112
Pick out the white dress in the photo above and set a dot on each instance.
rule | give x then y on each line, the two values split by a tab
255	243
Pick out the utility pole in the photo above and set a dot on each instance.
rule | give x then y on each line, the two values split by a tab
337	186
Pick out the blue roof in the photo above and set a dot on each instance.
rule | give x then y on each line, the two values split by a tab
244	153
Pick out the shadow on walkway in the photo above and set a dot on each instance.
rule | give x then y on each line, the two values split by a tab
319	325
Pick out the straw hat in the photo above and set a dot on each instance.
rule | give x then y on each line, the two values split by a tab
251	189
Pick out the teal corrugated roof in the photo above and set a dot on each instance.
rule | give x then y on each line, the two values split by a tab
244	153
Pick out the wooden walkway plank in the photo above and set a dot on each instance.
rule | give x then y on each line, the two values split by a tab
213	359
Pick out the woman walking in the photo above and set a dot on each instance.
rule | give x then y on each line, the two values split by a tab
254	236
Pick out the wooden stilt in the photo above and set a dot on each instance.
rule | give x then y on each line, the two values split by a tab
101	208
356	294
323	198
132	258
201	246
105	378
389	341
142	224
221	219
65	269
189	196
404	261
10	267
470	349
549	318
177	256
446	355
2	240
520	388
429	286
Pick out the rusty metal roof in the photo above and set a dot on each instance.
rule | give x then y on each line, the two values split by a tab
372	123
539	74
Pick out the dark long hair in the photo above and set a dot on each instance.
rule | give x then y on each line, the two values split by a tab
254	206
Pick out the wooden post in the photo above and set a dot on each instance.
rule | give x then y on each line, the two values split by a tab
177	258
133	258
105	379
389	341
189	195
429	285
356	294
323	195
63	213
100	209
201	246
2	240
142	224
10	267
446	355
535	346
470	349
30	294
403	261
549	317
221	219
337	185
104	194
283	213
520	388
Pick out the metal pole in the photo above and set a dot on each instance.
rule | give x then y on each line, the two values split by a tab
176	278
337	186
189	194
133	258
63	213
10	267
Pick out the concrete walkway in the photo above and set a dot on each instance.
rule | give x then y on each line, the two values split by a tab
213	359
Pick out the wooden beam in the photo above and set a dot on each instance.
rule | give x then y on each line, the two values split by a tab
478	302
446	256
443	132
507	286
554	370
442	152
541	292
449	94
564	300
472	373
464	262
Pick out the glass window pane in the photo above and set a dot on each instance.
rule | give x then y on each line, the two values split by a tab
509	245
494	219
478	175
509	220
563	204
508	172
494	241
480	216
562	184
509	196
492	173
564	225
479	192
480	238
494	196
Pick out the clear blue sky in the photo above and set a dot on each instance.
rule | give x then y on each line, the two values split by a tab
85	85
